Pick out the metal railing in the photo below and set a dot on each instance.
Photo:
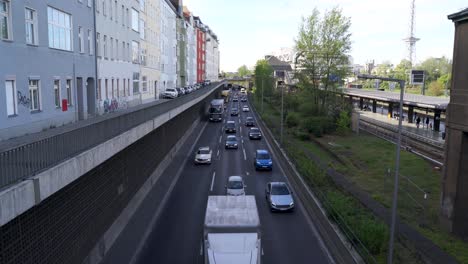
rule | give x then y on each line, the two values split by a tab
43	150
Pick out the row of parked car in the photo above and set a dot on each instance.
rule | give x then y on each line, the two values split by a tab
172	93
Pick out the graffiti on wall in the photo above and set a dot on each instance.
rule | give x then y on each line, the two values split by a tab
112	105
23	99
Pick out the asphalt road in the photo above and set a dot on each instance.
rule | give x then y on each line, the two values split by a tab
177	236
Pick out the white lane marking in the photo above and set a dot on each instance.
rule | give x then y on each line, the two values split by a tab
239	120
263	252
245	156
217	154
247	173
212	181
242	141
220	137
201	248
240	128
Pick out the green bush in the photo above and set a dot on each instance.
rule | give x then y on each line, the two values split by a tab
292	119
318	125
371	232
343	123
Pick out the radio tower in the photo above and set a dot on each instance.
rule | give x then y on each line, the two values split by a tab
411	39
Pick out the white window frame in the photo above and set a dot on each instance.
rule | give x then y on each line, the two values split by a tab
116	49
90	3
81	47
90	42
123	16
31	22
142	29
104	47
110	9
135	53
111	54
135	27
69	89
57	94
116	12
104	7
55	28
7	15
32	106
14	99
98	44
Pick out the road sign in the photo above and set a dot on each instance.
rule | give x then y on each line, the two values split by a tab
417	77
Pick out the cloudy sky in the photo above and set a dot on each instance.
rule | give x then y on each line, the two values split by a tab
250	29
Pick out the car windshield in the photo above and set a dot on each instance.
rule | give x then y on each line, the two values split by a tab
231	138
203	151
230	124
254	130
249	118
263	156
279	190
235	185
233	109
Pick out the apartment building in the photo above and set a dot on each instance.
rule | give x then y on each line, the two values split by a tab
191	48
212	55
47	69
200	30
168	46
150	52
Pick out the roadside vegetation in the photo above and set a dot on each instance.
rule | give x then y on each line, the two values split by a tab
317	136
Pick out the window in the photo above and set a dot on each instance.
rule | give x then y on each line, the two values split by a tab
31	26
111	14
142	5
136	82
80	40
57	93
99	87
128	19
124	88
144	83
90	41
34	95
104	8
90	2
135	48
128	51
111	54
118	92
98	44
142	29
128	86
60	29
69	92
10	98
116	9
5	19
135	18
105	47
107	90
116	49
123	15
112	88
123	51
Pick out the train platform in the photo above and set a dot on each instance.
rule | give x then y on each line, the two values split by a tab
426	132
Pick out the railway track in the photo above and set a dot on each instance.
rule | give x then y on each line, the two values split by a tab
429	149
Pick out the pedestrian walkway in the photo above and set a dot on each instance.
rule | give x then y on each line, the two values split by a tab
410	127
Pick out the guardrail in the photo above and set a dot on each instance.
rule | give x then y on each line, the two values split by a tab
44	150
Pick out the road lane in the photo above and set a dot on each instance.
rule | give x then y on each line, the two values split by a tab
286	237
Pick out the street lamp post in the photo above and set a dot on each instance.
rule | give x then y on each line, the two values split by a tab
397	161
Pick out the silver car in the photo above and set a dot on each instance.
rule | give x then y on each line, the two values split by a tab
279	197
203	155
235	186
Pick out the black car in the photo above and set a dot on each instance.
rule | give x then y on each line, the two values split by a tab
230	127
234	111
254	133
244	99
249	121
231	142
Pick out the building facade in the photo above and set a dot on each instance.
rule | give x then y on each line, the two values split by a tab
47	69
212	55
168	46
191	48
201	38
150	53
117	49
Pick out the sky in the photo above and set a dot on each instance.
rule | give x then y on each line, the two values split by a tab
250	29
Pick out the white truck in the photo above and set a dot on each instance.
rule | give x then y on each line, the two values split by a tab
232	230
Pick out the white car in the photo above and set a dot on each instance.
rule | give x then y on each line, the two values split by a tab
235	186
170	93
203	155
245	108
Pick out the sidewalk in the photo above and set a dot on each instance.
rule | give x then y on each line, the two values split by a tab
425	132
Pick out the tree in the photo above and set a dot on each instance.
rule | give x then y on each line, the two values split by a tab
243	71
435	68
435	89
402	70
324	44
263	79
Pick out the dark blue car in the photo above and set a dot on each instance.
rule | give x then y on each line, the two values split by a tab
263	160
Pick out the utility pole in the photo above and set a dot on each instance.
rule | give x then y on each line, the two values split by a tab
282	114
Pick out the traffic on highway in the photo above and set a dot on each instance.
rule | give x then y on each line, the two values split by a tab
231	162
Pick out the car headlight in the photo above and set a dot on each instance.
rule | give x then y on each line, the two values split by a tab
270	162
273	204
291	204
235	144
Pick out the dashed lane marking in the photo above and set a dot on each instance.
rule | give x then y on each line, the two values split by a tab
212	181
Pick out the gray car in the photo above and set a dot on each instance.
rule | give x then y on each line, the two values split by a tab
279	197
231	142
